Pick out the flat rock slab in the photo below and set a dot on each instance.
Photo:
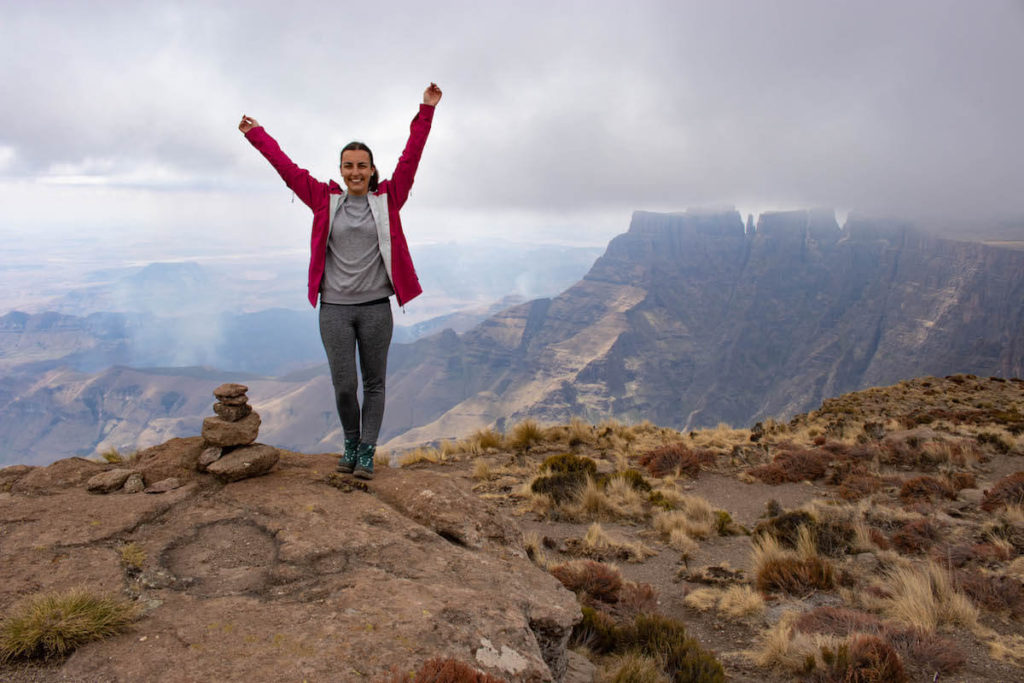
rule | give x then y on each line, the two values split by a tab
164	485
230	390
220	432
245	462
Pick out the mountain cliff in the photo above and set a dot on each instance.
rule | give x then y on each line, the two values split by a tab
692	319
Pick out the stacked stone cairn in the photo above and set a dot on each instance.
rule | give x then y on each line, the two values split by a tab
231	452
227	450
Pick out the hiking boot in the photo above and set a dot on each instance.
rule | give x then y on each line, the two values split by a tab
364	460
347	462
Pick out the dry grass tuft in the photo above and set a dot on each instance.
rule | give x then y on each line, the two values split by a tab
599	545
132	557
52	625
525	435
923	597
740	602
631	668
419	455
694	517
534	547
780	570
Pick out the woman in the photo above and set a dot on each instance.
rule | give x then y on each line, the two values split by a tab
358	258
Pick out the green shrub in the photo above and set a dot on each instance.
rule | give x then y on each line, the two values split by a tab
50	625
634	479
568	462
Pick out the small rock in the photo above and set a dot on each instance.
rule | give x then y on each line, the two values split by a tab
106	482
972	496
578	668
242	463
236	401
231	413
134	484
208	457
230	390
867	560
220	432
164	485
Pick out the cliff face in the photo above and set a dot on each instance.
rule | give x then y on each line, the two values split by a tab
688	320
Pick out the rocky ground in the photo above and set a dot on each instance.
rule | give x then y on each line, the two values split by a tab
878	538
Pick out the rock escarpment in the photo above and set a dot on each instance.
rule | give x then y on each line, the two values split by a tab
691	319
299	574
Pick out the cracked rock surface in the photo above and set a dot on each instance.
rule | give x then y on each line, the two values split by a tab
288	576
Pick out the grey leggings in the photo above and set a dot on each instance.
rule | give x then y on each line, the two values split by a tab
344	329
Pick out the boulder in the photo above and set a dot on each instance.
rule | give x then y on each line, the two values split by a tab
107	482
231	413
219	432
245	462
234	401
175	458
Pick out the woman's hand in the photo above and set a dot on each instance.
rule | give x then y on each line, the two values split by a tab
249	123
432	95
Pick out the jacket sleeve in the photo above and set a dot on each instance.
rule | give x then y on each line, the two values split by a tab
405	171
310	190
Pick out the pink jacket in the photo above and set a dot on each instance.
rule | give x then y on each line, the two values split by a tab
390	196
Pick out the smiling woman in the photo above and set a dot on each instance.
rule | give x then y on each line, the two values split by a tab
359	257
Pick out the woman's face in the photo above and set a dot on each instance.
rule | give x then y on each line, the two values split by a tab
356	170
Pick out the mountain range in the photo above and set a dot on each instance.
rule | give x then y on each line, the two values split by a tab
686	320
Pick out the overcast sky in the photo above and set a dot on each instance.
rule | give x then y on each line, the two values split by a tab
558	118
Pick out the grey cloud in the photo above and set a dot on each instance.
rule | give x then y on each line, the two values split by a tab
901	106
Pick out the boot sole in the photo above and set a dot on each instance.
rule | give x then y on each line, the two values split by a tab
364	474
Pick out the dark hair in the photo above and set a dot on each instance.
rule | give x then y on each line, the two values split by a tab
362	146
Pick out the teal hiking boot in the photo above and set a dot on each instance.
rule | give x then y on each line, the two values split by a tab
347	462
364	460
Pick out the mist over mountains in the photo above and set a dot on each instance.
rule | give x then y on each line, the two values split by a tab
685	320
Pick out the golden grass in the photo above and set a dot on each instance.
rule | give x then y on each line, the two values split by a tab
741	601
1008	647
534	547
599	540
692	515
702	599
525	435
924	597
482	470
616	500
49	625
631	667
784	647
132	556
419	455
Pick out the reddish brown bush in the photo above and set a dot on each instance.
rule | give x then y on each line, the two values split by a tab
925	489
590	579
994	592
837	621
637	598
1008	491
925	652
438	670
796	576
856	486
879	539
960	555
962	480
916	536
672	457
793	466
872	660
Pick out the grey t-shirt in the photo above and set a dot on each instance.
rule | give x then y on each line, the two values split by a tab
354	272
